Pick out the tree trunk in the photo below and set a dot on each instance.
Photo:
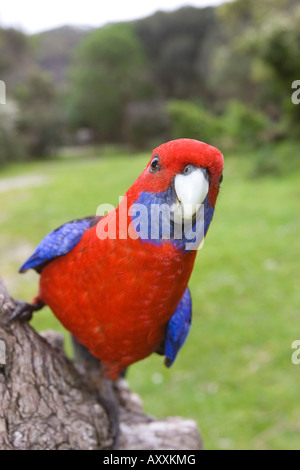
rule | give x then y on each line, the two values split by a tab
49	402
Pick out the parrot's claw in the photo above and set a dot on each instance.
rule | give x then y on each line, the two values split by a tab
111	407
24	311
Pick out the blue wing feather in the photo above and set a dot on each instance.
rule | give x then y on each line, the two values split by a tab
178	328
59	242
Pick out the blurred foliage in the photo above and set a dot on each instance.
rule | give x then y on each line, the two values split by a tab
40	120
52	50
13	48
238	126
243	124
261	65
31	125
109	72
179	46
193	121
10	142
277	159
219	74
147	124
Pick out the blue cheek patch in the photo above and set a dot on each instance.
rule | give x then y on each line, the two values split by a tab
150	216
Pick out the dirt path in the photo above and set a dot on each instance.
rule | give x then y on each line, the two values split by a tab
21	182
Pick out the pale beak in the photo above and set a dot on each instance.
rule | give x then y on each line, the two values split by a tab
191	190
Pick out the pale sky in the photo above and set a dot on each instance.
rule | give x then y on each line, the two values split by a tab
35	15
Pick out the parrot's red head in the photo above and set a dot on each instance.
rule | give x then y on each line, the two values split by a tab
183	157
185	175
175	163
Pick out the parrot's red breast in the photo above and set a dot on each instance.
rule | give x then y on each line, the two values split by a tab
116	300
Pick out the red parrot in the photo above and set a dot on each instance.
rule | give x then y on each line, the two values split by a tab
118	283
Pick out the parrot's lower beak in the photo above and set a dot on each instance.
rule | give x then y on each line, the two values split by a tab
191	190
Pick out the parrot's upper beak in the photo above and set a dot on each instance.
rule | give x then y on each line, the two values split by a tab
191	189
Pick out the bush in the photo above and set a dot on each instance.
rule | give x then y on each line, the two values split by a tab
276	159
147	124
108	72
192	121
28	131
11	147
41	131
243	125
39	122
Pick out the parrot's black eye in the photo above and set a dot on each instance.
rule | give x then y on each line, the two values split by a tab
188	169
154	165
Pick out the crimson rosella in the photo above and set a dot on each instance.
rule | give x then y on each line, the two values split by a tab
118	283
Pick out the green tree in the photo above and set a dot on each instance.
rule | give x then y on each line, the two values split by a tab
258	59
109	71
40	118
278	49
194	121
180	46
14	50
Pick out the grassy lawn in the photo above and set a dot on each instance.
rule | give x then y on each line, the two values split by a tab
234	375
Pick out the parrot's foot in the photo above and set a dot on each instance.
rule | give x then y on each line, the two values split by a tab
112	409
24	311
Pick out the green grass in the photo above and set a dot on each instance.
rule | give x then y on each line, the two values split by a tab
234	375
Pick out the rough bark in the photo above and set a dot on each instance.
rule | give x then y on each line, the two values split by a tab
48	402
